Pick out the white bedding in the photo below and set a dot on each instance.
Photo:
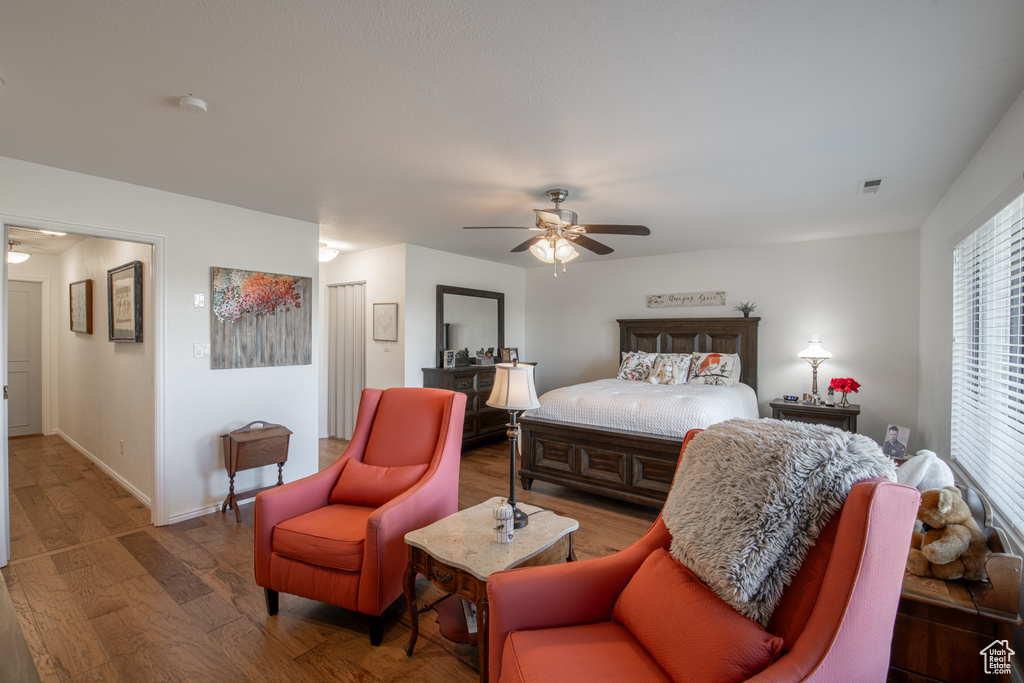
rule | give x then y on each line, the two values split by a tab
669	410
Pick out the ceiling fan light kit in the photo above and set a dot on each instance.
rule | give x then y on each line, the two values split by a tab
561	234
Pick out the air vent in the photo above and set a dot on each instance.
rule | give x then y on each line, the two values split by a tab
16	233
869	186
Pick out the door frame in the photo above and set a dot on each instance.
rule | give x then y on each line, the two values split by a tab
159	335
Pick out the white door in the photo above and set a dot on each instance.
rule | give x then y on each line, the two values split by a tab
24	358
5	527
346	356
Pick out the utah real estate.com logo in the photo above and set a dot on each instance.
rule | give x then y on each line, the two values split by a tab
997	657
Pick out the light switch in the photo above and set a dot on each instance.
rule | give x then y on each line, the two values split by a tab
201	350
198	299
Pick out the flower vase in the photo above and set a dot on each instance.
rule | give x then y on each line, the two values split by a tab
844	402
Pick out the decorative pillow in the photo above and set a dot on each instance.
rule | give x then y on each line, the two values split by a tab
370	485
669	371
636	365
684	360
720	369
690	631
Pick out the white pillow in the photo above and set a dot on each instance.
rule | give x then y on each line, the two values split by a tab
720	369
684	360
636	365
668	371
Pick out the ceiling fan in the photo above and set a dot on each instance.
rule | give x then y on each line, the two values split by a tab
560	234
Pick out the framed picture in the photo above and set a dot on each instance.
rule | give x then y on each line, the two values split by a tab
896	440
510	354
81	306
385	322
124	302
449	358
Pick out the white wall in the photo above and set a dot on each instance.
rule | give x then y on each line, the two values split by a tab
990	181
859	294
197	404
427	268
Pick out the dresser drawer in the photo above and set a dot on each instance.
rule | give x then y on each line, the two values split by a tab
485	380
463	382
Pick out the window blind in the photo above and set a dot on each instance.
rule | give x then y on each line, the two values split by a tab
987	429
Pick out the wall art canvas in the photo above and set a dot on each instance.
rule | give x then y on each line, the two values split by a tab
260	320
124	302
385	322
81	306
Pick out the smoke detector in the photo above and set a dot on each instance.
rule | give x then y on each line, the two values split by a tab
192	104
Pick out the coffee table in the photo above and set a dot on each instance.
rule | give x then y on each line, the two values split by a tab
458	553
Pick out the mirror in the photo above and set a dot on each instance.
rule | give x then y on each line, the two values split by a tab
472	319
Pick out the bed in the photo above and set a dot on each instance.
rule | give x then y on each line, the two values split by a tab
637	463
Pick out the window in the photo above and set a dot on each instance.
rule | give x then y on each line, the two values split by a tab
988	360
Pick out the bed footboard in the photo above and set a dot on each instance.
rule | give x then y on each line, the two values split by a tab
630	466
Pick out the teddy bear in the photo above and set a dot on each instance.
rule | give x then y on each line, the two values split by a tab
953	545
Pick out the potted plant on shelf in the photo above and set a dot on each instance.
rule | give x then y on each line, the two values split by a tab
745	307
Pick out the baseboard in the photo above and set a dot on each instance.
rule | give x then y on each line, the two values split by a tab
192	514
143	498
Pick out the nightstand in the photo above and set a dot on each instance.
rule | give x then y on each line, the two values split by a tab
844	418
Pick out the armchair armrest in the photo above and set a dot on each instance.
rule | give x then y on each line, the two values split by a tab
562	594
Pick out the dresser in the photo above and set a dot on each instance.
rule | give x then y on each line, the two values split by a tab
483	423
843	417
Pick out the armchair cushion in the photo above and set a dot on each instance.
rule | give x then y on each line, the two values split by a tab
604	651
331	536
373	485
405	429
690	631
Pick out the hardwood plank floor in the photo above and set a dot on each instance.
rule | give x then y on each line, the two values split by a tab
102	595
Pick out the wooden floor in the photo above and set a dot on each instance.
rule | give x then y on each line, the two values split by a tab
102	595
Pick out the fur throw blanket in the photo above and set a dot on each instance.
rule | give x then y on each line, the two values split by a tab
750	498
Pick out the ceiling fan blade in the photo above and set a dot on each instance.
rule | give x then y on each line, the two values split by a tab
592	245
618	229
527	244
497	227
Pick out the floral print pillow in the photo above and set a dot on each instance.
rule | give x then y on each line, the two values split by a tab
636	365
720	369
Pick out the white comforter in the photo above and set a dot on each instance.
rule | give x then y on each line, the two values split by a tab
670	410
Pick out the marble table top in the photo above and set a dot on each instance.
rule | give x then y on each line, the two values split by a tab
466	540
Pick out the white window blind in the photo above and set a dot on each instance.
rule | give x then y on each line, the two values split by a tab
987	427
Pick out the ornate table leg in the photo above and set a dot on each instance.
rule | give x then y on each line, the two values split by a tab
410	599
280	473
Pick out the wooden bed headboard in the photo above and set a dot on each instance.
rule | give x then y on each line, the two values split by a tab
695	335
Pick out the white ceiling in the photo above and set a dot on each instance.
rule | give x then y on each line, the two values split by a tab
713	123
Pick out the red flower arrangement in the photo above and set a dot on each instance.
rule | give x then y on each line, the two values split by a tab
844	384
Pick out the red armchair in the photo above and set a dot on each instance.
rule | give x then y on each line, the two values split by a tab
338	536
834	622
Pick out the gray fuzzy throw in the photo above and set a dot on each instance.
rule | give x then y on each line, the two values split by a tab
750	498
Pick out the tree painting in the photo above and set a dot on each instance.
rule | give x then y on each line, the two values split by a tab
259	320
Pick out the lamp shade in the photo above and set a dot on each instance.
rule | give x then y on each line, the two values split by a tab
815	351
514	388
543	251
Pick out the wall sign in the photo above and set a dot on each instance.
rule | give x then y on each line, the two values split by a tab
688	299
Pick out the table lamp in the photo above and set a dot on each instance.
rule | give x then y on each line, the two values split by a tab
514	390
815	354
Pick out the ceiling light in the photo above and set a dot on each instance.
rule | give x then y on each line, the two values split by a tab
327	253
192	104
54	233
16	256
543	251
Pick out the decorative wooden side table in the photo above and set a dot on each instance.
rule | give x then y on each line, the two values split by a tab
458	554
844	418
251	447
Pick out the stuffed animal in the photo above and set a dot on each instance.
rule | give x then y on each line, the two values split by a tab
925	471
953	545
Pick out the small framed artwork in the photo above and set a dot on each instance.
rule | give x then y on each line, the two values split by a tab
896	440
449	358
124	302
510	355
81	306
385	322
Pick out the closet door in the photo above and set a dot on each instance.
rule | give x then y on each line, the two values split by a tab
346	365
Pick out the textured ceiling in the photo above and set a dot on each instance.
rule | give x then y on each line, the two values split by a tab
713	123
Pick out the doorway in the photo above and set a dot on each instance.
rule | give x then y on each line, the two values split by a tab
346	356
24	357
